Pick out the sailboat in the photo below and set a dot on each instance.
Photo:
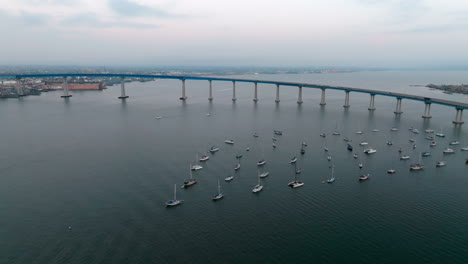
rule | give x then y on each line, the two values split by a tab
302	150
295	183
213	149
332	178
336	133
296	169
219	195
197	166
293	160
440	134
174	202
190	181
417	166
349	147
258	187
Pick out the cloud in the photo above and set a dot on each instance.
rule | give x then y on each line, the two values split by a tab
33	19
132	9
92	20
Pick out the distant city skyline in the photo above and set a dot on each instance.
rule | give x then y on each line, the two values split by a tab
296	33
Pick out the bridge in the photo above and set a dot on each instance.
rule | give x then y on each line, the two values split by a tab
459	107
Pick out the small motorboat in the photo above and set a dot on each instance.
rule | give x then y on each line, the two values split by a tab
429	137
464	149
274	145
261	162
325	148
323	135
298	171
391	171
405	157
336	133
448	151
293	160
204	158
416	131
426	154
274	138
429	130
375	130
411	140
454	143
389	143
359	132
440	164
213	149
264	174
229	141
247	149
394	129
433	144
360	165
158	117
355	156
229	178
364	177
255	135
346	139
304	143
237	167
370	151
349	147
414	146
363	143
329	158
440	134
278	132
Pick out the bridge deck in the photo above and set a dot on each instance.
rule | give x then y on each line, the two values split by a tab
458	105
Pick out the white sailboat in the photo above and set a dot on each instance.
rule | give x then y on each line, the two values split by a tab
196	166
332	178
295	183
174	202
219	195
190	181
258	187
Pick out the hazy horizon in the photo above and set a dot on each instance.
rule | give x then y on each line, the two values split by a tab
389	34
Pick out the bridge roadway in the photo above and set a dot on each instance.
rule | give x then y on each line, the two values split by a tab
459	106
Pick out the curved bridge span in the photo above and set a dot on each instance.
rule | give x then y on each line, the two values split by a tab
399	96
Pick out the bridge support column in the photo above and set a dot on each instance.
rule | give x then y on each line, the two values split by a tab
322	100
255	93
299	96
65	88
427	110
398	106
210	97
19	87
372	103
346	100
459	117
277	94
122	89
234	91
183	97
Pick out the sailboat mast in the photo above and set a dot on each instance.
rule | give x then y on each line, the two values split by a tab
190	170
295	170
219	187
175	192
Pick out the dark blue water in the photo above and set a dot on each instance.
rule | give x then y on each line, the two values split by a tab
106	167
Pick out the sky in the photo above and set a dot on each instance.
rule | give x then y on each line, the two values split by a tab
354	33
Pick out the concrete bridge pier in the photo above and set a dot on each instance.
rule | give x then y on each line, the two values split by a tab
234	91
210	97
299	96
459	117
346	100
427	110
19	87
322	100
183	97
398	106
255	93
277	94
122	89
65	88
372	102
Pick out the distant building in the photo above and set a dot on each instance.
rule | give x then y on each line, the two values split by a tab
74	86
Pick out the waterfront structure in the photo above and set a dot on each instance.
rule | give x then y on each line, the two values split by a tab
399	96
